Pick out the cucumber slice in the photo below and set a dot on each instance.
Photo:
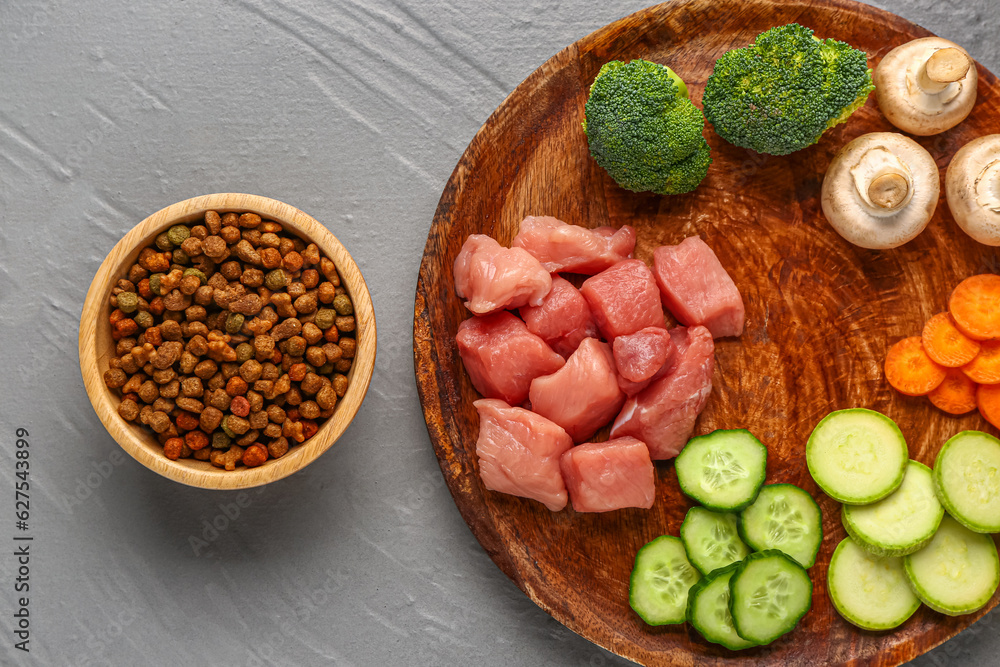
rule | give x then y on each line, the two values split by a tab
722	470
869	591
708	609
786	518
769	593
967	480
957	572
857	456
661	578
711	539
900	523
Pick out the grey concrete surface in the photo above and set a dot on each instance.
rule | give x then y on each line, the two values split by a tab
355	112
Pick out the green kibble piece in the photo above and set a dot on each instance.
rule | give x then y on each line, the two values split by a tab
143	319
128	302
195	272
244	352
221	441
154	283
178	234
234	323
342	304
163	242
325	369
180	257
225	428
325	317
275	280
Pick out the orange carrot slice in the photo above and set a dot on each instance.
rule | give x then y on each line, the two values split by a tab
985	368
910	370
975	306
945	344
956	395
988	399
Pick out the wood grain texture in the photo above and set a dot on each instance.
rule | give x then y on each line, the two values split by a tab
96	344
820	316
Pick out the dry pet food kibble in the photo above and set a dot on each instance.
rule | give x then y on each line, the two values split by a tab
233	338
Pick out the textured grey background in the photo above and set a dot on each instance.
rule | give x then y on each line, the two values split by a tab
355	112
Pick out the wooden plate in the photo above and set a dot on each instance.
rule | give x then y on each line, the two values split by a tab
820	315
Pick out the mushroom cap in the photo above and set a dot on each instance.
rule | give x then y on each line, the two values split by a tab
860	221
906	105
972	185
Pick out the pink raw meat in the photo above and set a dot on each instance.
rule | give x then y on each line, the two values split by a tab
503	357
563	319
519	453
583	395
697	289
624	299
492	277
663	414
563	247
638	356
605	476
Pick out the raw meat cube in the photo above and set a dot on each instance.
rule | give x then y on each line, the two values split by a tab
563	319
640	355
503	357
624	299
697	289
563	247
519	453
663	414
605	476
583	395
492	277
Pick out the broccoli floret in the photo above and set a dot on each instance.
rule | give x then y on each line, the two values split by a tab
643	130
781	93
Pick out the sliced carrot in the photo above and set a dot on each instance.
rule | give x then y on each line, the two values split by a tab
956	395
985	368
945	344
910	370
988	398
975	306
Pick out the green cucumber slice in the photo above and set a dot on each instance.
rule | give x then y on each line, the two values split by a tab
769	594
711	539
722	470
967	480
661	578
708	609
786	518
857	456
900	523
870	591
957	572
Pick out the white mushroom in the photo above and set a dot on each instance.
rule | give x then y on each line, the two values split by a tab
973	188
926	86
881	190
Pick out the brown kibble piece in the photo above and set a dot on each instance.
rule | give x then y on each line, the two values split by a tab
315	356
149	392
159	421
213	221
210	419
190	404
237	425
340	384
305	304
228	459
165	355
196	440
128	410
349	346
326	397
293	431
258	419
246	252
230	234
249	220
309	409
236	386
171	330
192	246
248	304
286	329
278	448
115	378
312	383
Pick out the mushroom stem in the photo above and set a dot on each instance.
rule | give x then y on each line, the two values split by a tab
888	191
944	67
987	187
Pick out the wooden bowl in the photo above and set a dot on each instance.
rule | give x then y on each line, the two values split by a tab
821	314
97	346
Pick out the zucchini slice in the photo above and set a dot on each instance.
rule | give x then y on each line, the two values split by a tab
857	456
871	592
957	572
900	523
967	480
